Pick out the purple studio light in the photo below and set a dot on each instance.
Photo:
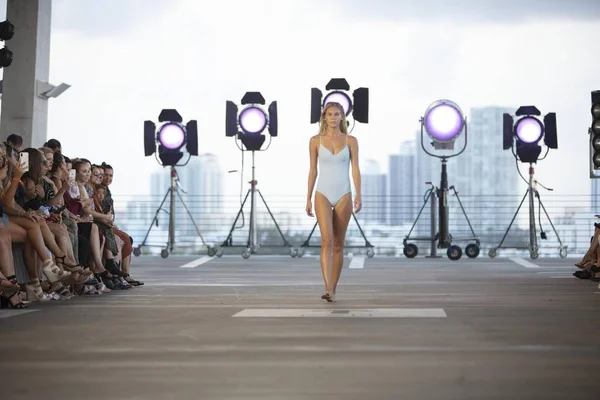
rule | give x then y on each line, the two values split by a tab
529	130
253	120
171	136
443	121
340	98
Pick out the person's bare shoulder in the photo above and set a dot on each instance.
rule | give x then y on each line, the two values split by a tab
352	139
314	139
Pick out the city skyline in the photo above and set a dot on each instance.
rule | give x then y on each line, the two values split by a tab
463	54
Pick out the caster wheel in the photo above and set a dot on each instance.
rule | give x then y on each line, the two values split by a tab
137	251
300	252
493	253
370	252
411	250
164	253
219	252
534	254
454	253
211	251
246	253
563	253
293	252
472	250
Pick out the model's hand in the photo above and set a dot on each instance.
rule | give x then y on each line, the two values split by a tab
309	210
357	204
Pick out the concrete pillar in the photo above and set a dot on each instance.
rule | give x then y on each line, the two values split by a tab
24	111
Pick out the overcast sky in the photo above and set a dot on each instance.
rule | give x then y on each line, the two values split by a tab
128	59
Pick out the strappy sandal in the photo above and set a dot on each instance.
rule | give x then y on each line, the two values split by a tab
7	292
71	268
132	281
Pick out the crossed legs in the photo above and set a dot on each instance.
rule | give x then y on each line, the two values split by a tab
333	223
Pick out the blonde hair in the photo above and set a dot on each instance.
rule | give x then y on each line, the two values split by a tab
343	123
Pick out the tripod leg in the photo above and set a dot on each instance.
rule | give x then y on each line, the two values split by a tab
464	212
549	220
191	217
285	242
305	244
229	239
367	244
513	220
430	193
155	220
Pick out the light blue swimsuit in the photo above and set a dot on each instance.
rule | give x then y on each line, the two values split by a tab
334	178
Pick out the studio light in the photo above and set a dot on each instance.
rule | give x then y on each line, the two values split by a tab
594	133
444	123
525	135
171	138
248	126
338	89
527	132
252	121
169	142
7	31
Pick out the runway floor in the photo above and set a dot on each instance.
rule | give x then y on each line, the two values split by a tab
229	328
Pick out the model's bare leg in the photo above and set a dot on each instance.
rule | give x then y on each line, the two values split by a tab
324	213
342	212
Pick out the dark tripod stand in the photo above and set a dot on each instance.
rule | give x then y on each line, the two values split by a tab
443	237
533	246
252	242
171	192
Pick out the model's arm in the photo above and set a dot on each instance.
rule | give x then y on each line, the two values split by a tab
353	142
312	174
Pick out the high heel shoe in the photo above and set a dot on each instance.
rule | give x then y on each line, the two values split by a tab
53	272
34	292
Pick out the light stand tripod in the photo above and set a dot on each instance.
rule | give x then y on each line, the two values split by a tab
533	247
252	243
368	245
443	237
171	192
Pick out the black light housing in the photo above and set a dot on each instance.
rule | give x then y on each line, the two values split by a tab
594	132
358	105
7	31
252	121
171	138
528	131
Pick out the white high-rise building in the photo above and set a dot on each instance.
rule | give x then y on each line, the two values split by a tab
373	192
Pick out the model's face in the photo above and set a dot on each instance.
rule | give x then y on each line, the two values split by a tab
333	117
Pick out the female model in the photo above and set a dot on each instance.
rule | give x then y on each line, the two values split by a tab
335	150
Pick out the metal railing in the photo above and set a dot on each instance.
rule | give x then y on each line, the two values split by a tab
385	221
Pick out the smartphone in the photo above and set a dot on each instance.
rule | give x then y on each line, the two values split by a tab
24	160
72	174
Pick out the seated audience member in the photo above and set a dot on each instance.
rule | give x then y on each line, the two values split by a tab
107	205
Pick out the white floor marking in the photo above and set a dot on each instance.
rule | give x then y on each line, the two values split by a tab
198	262
523	263
340	313
14	313
357	262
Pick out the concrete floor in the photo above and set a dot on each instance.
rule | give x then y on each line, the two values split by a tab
499	330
